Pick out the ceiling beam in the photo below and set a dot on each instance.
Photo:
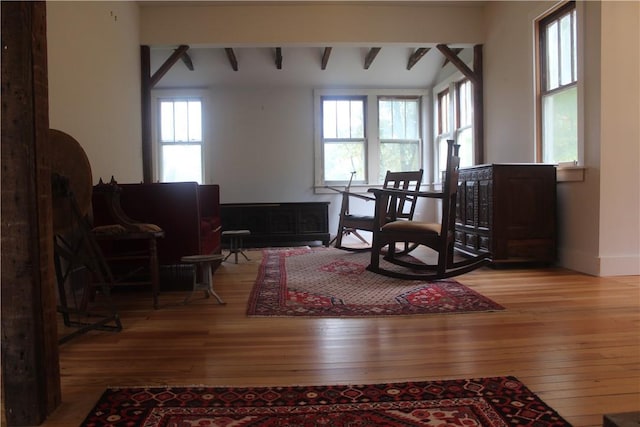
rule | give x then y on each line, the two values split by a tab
325	57
456	51
279	58
460	65
232	58
187	61
373	52
416	56
175	56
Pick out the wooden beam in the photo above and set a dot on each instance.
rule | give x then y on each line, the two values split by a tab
460	65
232	58
175	56
145	107
416	56
29	355
373	52
325	58
187	61
456	51
478	105
279	58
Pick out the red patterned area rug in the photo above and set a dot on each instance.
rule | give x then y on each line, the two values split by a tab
329	282
489	402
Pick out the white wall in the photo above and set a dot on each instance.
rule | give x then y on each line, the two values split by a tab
94	82
598	221
272	23
620	139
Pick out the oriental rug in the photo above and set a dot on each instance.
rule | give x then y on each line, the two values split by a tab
328	282
489	402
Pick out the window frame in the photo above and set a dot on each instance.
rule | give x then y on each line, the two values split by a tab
555	15
159	95
451	87
372	137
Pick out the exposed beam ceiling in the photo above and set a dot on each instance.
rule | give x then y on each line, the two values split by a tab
416	56
232	58
373	52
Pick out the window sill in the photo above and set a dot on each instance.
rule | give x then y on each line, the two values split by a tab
570	173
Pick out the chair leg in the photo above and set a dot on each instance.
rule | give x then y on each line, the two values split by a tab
338	238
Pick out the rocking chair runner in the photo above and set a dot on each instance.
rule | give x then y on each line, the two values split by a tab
350	223
438	236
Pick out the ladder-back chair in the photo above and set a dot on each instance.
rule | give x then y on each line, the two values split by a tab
350	223
388	230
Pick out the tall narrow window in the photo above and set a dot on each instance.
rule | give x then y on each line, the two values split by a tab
399	133
180	139
343	138
454	120
464	122
444	128
558	85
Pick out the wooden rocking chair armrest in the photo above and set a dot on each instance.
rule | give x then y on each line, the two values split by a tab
350	194
404	193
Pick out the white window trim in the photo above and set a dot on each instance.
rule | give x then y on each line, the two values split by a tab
372	139
158	94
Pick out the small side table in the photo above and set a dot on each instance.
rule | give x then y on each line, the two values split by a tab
203	263
235	243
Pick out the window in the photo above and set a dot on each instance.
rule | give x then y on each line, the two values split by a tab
460	128
464	122
364	133
343	138
180	139
558	100
444	128
399	131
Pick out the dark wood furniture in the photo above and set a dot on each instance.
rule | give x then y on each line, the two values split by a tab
508	211
274	224
350	223
390	228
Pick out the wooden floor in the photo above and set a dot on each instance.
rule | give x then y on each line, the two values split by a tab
572	339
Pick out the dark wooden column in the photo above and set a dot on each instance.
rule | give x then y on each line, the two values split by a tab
145	102
30	364
148	81
478	105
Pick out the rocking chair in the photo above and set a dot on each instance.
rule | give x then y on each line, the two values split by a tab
438	236
350	223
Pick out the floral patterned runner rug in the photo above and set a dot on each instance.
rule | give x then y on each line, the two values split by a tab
329	282
489	402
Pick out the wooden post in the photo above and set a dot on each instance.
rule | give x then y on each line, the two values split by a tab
145	102
478	105
30	361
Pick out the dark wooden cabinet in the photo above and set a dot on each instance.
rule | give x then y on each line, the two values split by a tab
508	210
273	224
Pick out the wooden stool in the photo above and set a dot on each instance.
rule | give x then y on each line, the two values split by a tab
235	243
203	263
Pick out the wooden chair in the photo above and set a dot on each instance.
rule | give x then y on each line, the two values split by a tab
351	223
388	231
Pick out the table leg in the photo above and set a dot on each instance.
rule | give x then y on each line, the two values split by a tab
207	278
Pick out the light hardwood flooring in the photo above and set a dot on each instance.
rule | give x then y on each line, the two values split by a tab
572	339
